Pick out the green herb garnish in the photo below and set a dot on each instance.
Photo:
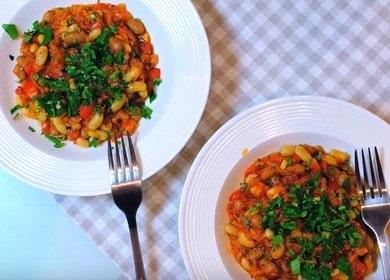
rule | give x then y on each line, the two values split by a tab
56	141
344	266
31	129
93	142
157	82
37	28
295	266
152	96
255	208
277	240
11	30
15	109
147	112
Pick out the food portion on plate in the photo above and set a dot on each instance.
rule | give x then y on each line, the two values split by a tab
85	73
296	215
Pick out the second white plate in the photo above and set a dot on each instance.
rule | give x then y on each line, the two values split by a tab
180	40
219	167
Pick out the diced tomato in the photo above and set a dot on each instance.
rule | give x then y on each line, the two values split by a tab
251	169
276	158
122	33
296	158
46	127
154	73
100	6
73	135
30	69
129	125
146	47
85	112
314	166
30	88
333	186
358	269
97	25
237	195
20	92
324	166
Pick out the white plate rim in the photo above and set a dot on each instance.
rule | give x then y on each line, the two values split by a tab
212	142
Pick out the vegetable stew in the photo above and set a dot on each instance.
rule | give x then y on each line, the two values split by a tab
296	215
85	73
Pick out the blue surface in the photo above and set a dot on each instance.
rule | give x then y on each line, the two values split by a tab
38	240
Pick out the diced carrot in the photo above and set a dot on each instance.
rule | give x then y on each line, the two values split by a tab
73	135
251	169
258	190
85	112
129	125
276	158
122	33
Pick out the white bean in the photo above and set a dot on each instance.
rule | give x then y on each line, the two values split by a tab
82	142
41	55
59	125
95	121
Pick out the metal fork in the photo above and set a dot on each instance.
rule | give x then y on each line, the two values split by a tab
126	190
375	201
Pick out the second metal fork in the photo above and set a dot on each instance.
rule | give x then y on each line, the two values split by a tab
375	201
126	190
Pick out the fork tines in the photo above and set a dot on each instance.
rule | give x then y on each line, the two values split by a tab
373	179
121	168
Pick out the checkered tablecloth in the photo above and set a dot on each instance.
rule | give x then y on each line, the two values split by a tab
260	50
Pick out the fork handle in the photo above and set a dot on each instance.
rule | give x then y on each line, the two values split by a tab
138	263
384	251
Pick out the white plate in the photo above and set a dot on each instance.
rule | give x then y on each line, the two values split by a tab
179	38
219	167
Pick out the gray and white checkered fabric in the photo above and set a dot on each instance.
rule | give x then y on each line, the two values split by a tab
260	50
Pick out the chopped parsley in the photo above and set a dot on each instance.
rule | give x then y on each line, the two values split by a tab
344	266
157	82
56	141
152	96
316	214
37	28
246	222
255	208
277	240
15	109
11	30
290	162
31	129
93	142
295	266
147	112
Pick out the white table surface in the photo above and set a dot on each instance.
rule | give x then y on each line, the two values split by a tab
38	240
